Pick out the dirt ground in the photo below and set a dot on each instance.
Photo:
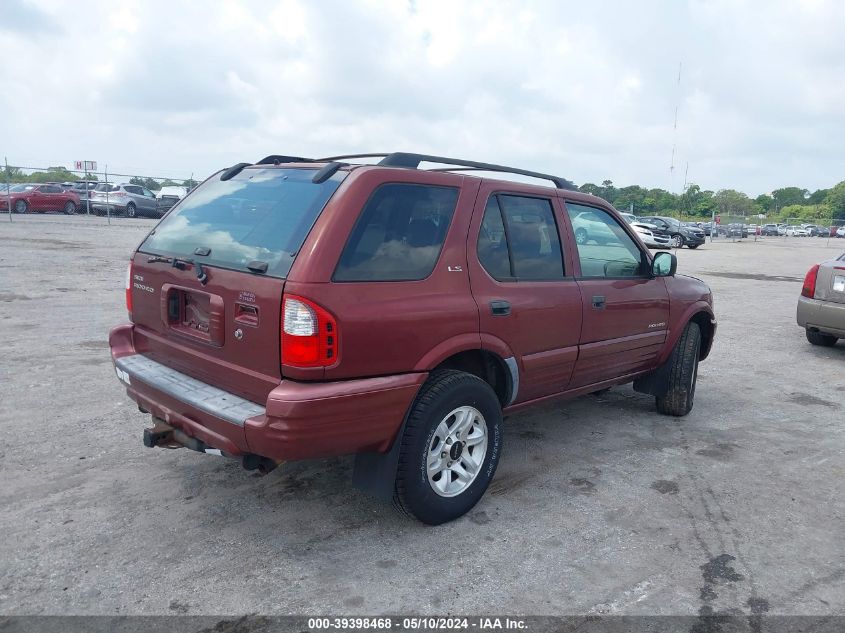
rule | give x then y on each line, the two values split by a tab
599	506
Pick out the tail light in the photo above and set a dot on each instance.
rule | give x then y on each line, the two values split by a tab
809	289
129	289
309	334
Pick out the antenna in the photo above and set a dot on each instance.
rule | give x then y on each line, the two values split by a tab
675	132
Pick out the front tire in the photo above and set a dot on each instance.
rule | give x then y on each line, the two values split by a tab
823	340
677	241
450	447
683	375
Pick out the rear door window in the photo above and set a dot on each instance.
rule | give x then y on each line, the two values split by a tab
519	239
399	234
259	215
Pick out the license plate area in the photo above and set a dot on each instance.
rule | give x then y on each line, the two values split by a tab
194	314
839	283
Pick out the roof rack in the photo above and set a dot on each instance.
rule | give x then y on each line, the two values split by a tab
412	161
275	159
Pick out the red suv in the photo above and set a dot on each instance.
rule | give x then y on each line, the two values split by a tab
298	309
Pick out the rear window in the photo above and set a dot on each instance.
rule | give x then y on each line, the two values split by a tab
399	234
104	187
260	215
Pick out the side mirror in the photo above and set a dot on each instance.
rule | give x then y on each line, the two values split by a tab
664	264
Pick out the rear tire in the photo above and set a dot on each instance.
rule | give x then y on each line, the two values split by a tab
21	206
450	447
130	210
680	396
70	208
823	340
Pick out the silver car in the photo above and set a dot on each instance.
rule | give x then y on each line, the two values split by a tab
821	306
125	199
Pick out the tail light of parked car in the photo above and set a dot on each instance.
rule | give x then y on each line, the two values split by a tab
309	334
129	289
809	289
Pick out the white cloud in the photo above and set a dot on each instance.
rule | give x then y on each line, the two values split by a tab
586	90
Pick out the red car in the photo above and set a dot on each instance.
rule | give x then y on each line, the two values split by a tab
297	309
41	198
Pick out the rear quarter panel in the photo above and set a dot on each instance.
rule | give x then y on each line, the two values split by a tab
388	327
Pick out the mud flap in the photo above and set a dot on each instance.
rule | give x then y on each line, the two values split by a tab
375	473
655	383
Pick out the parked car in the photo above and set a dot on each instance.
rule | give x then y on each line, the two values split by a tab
840	231
84	188
41	198
814	230
821	306
769	230
124	199
650	235
680	235
734	229
261	326
796	231
169	196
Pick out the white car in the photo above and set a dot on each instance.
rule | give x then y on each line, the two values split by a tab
648	232
840	232
796	231
649	237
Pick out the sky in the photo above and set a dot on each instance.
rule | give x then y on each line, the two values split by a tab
584	90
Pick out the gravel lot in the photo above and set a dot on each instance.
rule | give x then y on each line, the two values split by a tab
599	506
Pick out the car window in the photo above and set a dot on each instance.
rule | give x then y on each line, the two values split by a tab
519	240
604	248
50	189
148	193
492	246
399	234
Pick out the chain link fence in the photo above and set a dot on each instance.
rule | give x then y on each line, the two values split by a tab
26	189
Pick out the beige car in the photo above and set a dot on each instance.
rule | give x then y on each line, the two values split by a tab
821	306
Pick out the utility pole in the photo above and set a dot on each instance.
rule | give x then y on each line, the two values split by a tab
108	208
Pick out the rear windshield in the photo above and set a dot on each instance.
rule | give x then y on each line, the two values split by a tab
260	215
105	187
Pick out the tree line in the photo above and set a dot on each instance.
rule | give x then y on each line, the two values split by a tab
697	203
693	203
61	174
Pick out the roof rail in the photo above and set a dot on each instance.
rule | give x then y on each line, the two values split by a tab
328	159
275	159
412	161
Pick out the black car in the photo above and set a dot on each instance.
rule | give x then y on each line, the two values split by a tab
770	230
735	229
681	234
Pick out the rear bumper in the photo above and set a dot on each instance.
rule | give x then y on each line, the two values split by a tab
297	421
825	316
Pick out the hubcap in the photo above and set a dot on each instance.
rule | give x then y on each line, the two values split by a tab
581	237
457	451
676	241
20	206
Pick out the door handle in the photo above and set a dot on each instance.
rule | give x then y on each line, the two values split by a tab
598	302
500	308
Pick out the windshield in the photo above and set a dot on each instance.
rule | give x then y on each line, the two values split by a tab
261	214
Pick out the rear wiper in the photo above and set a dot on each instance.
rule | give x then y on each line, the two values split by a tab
181	264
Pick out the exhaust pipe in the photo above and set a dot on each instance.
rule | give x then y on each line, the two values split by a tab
263	465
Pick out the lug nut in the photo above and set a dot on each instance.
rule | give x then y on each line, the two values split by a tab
443	454
449	464
448	440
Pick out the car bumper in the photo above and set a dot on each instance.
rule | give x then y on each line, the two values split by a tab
825	316
107	208
297	421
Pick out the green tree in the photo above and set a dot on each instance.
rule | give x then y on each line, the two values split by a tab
835	201
731	202
135	180
790	195
190	183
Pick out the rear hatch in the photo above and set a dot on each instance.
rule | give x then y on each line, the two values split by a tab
207	282
830	283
